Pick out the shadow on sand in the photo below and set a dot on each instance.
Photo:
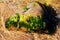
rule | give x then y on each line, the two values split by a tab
49	15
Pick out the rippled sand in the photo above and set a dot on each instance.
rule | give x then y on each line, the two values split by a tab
10	7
